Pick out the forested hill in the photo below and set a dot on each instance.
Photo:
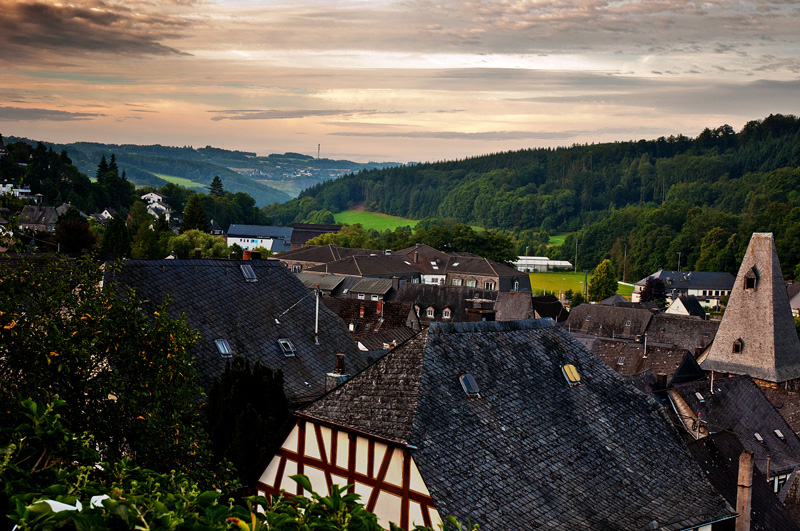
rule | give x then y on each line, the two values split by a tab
735	181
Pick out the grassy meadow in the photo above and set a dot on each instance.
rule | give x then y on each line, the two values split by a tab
373	220
180	181
553	283
557	240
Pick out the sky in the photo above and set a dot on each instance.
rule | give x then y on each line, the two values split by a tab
384	80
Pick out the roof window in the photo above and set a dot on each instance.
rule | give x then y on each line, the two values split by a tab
249	274
699	397
286	346
224	348
469	385
779	435
571	374
758	437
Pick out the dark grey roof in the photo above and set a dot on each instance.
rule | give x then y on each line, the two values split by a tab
457	299
615	298
758	320
738	405
325	282
374	286
608	321
685	280
718	457
365	266
629	358
259	231
531	451
305	231
424	257
682	331
692	305
220	304
38	215
323	253
514	306
550	306
481	266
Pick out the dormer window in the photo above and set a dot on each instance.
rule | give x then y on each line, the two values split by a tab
287	347
489	285
751	279
224	348
738	345
471	283
456	281
429	312
446	313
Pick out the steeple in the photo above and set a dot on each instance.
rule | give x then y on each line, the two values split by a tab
757	336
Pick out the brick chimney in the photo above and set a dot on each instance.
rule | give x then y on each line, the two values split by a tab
338	376
744	491
361	311
198	253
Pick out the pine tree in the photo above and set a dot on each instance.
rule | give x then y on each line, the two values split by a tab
216	188
112	166
102	168
194	217
117	239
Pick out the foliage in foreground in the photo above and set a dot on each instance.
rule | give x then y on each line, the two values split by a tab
51	478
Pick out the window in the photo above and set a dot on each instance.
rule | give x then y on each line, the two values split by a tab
516	285
224	348
374	297
621	360
361	296
699	397
296	268
471	283
429	312
287	347
469	385
489	285
588	317
749	283
446	313
249	274
456	281
571	374
737	346
627	323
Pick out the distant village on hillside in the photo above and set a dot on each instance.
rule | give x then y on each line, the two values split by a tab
436	383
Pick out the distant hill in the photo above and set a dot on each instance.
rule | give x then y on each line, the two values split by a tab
275	178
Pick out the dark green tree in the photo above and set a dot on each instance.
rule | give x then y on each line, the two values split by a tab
216	189
112	166
654	291
194	217
603	283
72	232
102	167
117	238
246	410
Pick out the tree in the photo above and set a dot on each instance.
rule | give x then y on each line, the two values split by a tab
246	410
126	372
112	166
72	232
603	283
102	167
194	217
576	300
216	188
654	291
185	244
117	239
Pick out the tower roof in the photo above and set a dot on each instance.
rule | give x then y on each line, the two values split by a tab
757	336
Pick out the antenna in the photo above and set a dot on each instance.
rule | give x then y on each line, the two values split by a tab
316	322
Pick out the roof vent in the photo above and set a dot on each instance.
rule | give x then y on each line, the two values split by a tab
571	374
469	385
249	274
287	347
779	435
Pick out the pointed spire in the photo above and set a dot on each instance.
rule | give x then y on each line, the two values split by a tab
757	336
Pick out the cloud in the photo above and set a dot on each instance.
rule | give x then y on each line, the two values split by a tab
13	114
455	135
36	29
286	114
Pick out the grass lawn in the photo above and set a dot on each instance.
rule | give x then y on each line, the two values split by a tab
554	283
180	181
557	240
373	220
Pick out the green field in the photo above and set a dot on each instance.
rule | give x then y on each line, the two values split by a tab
180	181
373	220
557	240
554	283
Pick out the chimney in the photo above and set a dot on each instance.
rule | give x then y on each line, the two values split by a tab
744	491
396	284
246	255
255	255
379	310
232	256
198	254
416	256
338	376
361	311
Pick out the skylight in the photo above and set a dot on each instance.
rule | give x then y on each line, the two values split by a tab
571	374
455	264
470	386
699	397
249	274
779	435
286	346
758	437
224	348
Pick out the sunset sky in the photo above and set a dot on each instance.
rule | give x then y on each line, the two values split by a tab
407	80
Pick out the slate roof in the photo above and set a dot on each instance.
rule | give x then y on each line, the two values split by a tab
759	319
686	280
373	286
380	324
326	283
691	305
550	306
608	321
323	253
480	266
219	303
615	298
659	359
457	299
421	256
514	306
302	232
531	452
682	331
718	457
739	406
366	266
259	231
38	217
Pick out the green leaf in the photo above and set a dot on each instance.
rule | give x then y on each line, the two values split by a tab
303	481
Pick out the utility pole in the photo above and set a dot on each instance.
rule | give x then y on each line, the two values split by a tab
679	261
624	261
576	252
